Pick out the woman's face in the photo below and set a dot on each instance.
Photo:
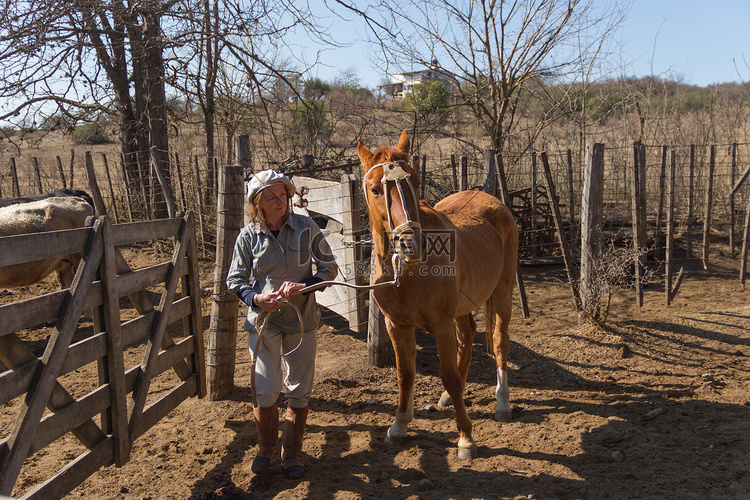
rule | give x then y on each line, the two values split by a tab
273	202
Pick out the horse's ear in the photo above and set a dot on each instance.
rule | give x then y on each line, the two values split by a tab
403	143
363	153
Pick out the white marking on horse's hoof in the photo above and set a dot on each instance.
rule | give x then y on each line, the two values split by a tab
503	415
445	401
467	453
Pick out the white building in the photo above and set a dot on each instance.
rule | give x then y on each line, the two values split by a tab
402	83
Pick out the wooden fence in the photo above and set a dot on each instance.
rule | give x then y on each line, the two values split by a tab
193	180
121	394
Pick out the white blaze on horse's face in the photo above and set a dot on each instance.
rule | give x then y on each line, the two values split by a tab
402	210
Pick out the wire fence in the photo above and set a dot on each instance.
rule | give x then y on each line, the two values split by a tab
530	201
133	195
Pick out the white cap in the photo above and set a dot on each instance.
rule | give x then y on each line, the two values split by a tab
266	178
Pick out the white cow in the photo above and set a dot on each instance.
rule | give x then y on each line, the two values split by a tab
51	214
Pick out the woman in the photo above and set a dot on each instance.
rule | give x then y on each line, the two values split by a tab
273	259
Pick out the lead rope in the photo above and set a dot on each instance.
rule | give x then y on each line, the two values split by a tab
262	329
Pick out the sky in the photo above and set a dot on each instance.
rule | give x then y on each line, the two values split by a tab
698	42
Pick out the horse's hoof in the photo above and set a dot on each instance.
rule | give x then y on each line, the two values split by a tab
503	415
445	401
468	453
394	438
393	441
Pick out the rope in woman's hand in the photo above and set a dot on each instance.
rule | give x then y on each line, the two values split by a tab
261	328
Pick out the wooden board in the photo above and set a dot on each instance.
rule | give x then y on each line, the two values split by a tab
31	247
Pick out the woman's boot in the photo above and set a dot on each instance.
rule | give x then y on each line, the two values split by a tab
267	424
291	442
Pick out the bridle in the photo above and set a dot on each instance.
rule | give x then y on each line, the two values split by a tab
393	172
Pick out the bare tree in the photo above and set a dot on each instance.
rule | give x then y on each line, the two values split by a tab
84	58
78	60
497	49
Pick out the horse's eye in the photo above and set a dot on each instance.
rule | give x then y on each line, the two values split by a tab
375	191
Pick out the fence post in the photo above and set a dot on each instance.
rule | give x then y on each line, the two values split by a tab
533	219
455	174
111	189
464	173
180	184
60	171
638	240
70	167
101	209
709	201
691	193
490	173
644	199
732	175
222	337
591	223
660	211
126	186
244	157
37	175
378	350
14	176
505	198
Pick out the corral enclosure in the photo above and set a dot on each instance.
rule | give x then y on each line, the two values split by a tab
579	394
78	372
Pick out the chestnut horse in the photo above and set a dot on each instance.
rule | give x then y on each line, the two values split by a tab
449	261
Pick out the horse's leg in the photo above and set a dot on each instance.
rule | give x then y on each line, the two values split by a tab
502	305
454	384
466	327
405	348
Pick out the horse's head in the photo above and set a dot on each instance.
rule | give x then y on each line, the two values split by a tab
390	189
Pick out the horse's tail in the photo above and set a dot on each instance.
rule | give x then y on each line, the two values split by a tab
489	321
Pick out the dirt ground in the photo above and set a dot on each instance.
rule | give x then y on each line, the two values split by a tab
655	405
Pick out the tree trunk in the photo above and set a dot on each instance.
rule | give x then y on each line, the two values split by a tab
209	104
157	113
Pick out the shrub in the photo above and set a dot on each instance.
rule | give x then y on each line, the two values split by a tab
92	133
7	132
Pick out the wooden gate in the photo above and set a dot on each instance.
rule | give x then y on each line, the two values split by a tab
119	409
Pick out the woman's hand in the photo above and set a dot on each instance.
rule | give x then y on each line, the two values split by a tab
270	302
289	288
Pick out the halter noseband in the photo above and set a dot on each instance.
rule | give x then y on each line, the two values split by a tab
393	172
